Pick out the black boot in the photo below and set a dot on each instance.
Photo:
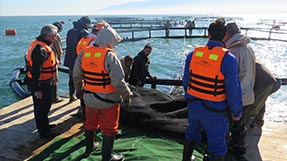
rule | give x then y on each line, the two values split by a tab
187	151
91	144
108	142
71	91
216	158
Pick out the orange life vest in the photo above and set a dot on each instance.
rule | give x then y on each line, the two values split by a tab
49	65
96	77
205	79
83	43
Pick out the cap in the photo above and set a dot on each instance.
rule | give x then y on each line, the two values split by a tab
220	20
58	25
101	25
86	20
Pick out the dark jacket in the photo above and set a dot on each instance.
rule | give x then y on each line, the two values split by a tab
73	37
263	78
39	55
140	69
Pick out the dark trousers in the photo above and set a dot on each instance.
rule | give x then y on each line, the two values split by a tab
71	84
42	108
239	132
54	93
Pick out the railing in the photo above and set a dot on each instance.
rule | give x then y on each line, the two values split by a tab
156	82
197	32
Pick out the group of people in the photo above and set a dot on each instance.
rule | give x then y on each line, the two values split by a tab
96	75
220	82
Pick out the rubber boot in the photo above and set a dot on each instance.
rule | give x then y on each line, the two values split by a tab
216	158
108	143
71	92
90	142
187	151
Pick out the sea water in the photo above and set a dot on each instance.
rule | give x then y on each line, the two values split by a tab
166	58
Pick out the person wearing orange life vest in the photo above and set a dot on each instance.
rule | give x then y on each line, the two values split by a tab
89	40
41	75
211	87
84	42
99	79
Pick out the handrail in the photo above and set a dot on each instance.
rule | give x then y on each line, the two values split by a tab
156	82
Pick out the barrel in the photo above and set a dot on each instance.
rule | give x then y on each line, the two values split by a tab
11	32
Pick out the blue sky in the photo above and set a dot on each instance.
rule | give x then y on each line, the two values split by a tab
106	7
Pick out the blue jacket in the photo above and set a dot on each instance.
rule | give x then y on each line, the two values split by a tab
229	69
73	37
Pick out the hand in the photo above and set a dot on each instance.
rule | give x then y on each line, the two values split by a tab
54	81
126	104
38	94
154	78
236	118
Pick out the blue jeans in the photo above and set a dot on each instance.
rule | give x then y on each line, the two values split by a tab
214	124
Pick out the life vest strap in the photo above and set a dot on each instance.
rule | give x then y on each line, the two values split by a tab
205	91
205	78
96	79
207	85
97	84
48	71
95	73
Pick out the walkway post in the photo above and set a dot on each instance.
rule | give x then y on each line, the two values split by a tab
270	34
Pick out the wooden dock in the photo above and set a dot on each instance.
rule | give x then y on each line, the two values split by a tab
20	140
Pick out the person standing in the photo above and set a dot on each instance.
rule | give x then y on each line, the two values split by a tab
89	40
99	72
73	37
212	88
167	26
126	63
83	43
190	25
140	68
237	44
57	45
265	85
41	74
57	48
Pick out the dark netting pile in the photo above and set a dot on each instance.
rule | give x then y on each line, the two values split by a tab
155	110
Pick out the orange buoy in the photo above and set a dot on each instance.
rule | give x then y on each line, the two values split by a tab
10	32
62	22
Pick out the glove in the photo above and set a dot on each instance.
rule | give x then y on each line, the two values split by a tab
127	101
126	104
